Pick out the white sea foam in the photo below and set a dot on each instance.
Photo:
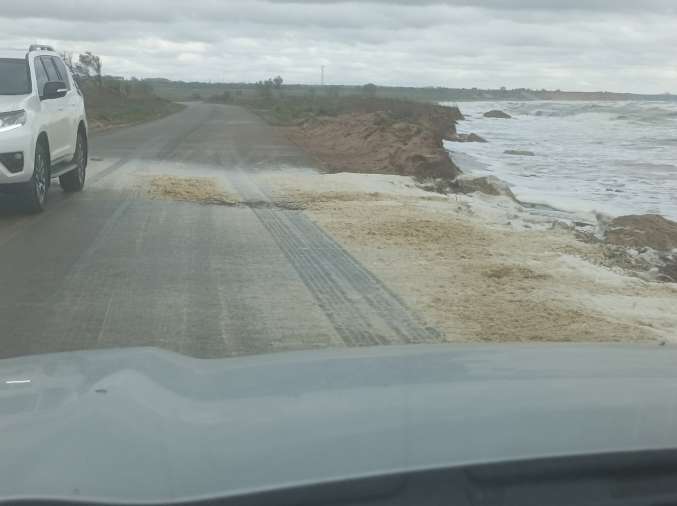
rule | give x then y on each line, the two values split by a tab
611	157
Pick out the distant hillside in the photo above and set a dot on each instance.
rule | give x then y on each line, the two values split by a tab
180	91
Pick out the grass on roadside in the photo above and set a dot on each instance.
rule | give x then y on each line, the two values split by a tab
289	110
114	105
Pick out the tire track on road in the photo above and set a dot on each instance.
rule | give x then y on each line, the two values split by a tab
95	178
350	323
361	308
388	305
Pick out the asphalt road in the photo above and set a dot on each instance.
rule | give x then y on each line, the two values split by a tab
110	267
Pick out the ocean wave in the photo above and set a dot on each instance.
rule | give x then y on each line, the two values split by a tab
617	111
560	109
648	166
613	157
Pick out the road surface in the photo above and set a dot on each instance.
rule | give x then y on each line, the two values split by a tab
111	267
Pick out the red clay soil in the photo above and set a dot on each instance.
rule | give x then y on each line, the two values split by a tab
381	142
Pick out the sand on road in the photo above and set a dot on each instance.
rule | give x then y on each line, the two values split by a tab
480	268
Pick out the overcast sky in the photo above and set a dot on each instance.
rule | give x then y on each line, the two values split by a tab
568	44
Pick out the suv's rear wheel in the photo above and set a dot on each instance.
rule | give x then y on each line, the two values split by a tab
74	180
36	191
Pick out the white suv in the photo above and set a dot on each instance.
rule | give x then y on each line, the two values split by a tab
43	127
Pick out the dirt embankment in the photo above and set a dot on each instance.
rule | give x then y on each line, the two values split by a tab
382	142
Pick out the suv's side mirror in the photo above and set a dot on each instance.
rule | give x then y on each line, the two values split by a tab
54	89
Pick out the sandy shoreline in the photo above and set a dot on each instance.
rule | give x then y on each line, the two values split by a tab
478	267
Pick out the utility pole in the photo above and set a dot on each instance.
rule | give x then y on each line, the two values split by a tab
322	78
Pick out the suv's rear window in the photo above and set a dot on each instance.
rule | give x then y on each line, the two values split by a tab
14	77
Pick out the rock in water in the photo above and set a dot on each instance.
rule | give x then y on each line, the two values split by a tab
489	185
497	114
643	231
519	152
466	138
476	138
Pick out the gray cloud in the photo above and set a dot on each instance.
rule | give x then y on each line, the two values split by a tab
217	10
574	44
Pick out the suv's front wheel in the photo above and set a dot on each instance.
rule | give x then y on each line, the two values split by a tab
74	180
36	190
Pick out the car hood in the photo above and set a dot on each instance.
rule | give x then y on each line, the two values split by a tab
145	424
12	102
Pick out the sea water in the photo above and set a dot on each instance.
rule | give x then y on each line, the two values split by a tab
611	157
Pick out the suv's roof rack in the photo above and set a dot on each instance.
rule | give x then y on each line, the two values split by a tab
40	47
